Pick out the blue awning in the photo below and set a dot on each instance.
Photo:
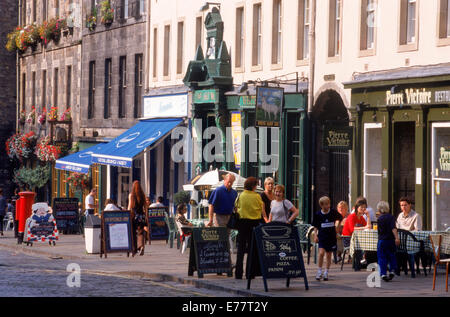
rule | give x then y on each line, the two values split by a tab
78	162
121	150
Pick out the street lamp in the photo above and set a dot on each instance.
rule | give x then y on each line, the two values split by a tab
205	6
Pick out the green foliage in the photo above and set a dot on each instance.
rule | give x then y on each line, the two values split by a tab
181	197
35	177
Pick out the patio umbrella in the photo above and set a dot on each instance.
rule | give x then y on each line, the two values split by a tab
206	180
238	184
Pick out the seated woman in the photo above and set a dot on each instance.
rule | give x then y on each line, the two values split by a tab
181	219
342	208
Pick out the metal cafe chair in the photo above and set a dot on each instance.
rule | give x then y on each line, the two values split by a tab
436	240
346	243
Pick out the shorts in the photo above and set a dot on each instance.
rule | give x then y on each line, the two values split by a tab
327	245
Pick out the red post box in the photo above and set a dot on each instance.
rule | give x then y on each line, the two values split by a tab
24	209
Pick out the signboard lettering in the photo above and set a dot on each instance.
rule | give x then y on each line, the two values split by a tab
210	251
159	230
338	138
65	211
117	232
444	159
269	102
277	247
206	96
41	226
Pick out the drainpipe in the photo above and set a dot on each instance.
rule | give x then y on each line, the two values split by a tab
312	63
18	74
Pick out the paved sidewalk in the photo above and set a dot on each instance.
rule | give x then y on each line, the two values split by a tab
165	263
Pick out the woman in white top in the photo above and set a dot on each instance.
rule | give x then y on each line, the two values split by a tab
280	208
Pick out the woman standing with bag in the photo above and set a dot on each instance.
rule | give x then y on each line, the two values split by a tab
267	196
282	210
139	213
251	209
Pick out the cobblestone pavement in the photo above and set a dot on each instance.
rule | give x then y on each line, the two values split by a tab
24	276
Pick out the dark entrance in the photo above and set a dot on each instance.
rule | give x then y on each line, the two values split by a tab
403	163
329	168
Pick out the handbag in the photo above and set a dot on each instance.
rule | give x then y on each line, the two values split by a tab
234	218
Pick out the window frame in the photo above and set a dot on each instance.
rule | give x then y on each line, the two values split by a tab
138	84
180	47
277	35
403	45
91	91
121	111
336	55
55	86
167	51
107	89
155	53
440	38
239	64
257	37
303	20
69	79
363	32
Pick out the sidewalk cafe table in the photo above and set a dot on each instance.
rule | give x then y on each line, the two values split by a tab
367	240
198	222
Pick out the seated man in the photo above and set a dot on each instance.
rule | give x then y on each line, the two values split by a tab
408	219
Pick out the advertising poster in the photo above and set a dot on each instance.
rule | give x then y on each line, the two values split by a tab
236	133
41	226
269	103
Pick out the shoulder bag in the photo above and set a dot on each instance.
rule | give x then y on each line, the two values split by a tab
234	219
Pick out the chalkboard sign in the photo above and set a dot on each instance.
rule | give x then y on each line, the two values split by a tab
276	253
41	226
159	230
117	232
210	251
65	211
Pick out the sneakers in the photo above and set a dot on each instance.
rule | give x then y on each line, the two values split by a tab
318	276
391	276
325	276
385	278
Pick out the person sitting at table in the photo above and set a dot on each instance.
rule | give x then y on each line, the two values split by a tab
111	205
408	219
180	218
387	241
342	208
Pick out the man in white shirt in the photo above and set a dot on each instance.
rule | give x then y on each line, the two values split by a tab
159	202
408	219
89	202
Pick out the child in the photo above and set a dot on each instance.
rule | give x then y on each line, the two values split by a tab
325	222
387	240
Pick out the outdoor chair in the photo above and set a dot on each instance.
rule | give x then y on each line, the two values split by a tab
303	234
436	241
346	243
404	258
173	232
183	237
312	244
233	240
8	221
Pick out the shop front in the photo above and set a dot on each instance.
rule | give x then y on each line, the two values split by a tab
402	141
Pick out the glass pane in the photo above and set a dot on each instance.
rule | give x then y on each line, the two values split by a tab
441	178
373	151
373	190
411	31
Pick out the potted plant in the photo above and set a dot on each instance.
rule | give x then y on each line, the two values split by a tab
52	114
107	13
182	197
21	146
79	181
35	177
22	117
43	116
11	39
31	116
66	116
46	152
91	20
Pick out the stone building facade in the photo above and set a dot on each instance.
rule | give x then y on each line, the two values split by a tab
8	20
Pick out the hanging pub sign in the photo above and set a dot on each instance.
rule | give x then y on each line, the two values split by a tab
275	252
116	233
41	226
269	104
337	138
159	230
65	211
209	251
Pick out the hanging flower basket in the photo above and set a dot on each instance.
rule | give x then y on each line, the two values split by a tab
35	177
42	117
22	117
21	146
107	13
47	152
66	115
31	119
79	181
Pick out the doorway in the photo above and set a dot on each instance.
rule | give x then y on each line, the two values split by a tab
123	184
403	157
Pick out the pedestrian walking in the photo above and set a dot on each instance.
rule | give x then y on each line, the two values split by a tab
139	213
281	209
221	203
387	241
14	200
325	222
251	210
3	206
89	202
268	195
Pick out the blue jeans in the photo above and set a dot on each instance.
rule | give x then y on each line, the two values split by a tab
386	255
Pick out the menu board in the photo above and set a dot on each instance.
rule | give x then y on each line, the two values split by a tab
276	253
65	211
41	226
116	234
210	251
159	230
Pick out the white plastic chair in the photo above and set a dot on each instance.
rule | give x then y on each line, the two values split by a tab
184	237
7	221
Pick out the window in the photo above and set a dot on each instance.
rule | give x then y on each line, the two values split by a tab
91	95
257	35
69	87
24	88
141	7
124	9
303	29
122	85
444	22
44	88
276	32
44	10
23	18
55	87
180	48
155	51
408	23
138	83
108	88
166	50
367	36
33	89
57	8
34	12
335	25
372	162
239	43
198	32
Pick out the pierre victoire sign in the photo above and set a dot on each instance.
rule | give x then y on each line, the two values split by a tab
417	96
